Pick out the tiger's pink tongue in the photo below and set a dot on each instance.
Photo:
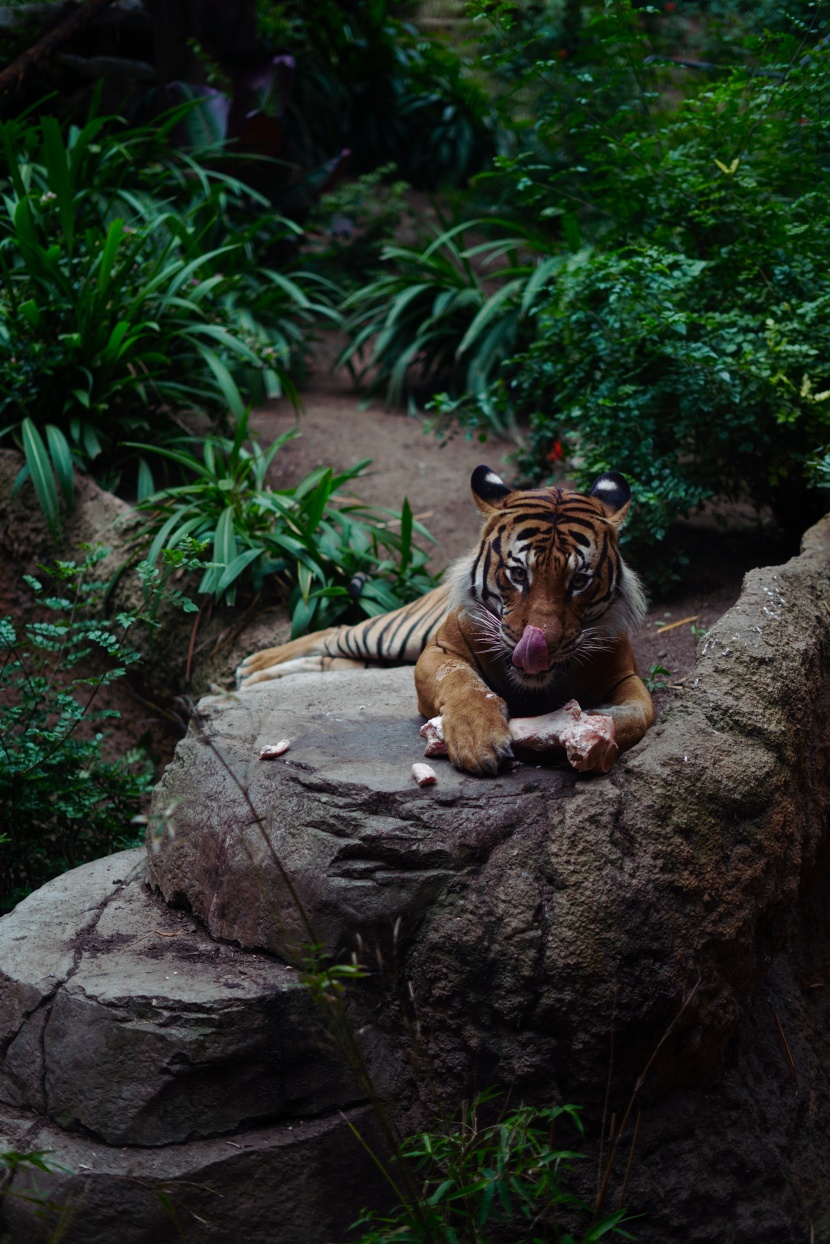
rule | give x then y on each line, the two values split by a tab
531	652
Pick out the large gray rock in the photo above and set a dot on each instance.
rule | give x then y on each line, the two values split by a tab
182	1089
366	849
123	1018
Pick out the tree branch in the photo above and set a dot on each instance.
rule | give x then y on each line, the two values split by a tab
12	76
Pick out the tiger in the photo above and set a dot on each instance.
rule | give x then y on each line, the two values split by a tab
538	614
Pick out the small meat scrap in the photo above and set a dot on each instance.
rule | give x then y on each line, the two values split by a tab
433	733
272	750
424	775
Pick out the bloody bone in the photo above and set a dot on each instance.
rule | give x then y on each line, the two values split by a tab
588	738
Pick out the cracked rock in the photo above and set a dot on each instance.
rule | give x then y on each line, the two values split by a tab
143	1036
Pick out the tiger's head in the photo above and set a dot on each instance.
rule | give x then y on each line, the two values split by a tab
546	584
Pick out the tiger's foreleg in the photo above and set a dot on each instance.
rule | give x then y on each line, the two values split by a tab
474	717
631	709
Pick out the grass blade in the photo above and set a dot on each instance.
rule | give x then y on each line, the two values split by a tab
43	479
61	456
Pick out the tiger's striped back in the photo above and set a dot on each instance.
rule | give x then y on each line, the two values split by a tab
396	638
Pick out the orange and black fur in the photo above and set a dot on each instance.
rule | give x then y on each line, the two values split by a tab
536	615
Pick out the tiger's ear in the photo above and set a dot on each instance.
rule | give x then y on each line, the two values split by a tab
613	491
488	489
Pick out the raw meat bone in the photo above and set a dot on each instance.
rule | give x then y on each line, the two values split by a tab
588	738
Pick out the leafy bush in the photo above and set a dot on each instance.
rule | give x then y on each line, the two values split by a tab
436	316
111	323
329	554
62	802
504	1181
698	363
678	327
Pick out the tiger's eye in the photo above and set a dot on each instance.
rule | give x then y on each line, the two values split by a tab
518	574
579	581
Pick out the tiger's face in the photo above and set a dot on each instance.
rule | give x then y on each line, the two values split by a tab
547	585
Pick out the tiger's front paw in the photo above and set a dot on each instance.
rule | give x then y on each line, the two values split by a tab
478	737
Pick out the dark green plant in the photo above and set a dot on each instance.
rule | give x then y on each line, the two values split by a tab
328	553
656	677
107	327
447	313
62	800
507	1180
682	339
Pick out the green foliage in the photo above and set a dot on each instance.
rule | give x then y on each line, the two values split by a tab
655	680
354	223
62	801
330	554
676	325
505	1180
119	307
436	316
697	363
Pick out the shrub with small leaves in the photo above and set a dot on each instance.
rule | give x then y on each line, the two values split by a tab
62	800
486	1182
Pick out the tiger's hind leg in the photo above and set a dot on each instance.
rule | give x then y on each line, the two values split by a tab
262	665
395	638
299	665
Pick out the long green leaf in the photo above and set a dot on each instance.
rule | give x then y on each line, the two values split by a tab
491	308
170	535
224	380
113	239
233	571
60	180
61	456
43	480
224	538
145	486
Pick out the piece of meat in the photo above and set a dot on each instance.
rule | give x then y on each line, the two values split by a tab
424	775
587	738
272	750
433	733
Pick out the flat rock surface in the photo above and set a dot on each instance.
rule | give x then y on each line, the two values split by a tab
364	845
